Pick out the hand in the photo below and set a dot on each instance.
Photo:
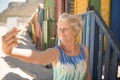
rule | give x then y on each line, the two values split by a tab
10	40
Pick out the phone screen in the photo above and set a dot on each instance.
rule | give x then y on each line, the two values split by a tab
12	22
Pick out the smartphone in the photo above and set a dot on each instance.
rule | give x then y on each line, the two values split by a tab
12	22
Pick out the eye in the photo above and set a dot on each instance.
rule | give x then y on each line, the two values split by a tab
64	29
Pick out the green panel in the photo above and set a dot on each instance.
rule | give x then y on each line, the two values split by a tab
47	38
49	18
49	7
51	33
44	35
96	4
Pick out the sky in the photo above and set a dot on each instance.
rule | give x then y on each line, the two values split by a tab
4	3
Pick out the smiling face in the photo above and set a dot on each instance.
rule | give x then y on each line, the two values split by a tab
65	32
69	27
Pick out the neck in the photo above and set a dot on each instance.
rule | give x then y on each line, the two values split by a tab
69	47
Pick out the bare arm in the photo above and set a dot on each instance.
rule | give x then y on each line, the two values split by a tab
10	40
37	57
88	76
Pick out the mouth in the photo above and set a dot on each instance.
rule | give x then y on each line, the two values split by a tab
62	37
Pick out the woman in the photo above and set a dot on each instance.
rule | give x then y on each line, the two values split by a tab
69	59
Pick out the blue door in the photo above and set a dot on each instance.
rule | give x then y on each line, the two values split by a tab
115	18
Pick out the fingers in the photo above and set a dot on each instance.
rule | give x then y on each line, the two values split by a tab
11	34
12	40
13	44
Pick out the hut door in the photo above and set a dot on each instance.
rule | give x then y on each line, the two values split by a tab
115	18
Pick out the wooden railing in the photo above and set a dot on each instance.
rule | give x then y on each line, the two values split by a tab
104	54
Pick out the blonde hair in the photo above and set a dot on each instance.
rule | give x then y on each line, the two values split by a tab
74	21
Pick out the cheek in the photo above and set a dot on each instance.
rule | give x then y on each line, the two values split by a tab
59	34
71	33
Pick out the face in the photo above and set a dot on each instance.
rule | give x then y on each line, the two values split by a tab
65	32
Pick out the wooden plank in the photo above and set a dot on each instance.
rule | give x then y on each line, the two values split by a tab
88	30
100	57
107	61
84	29
114	66
91	46
94	48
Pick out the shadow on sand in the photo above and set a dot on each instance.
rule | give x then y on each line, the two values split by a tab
38	72
13	76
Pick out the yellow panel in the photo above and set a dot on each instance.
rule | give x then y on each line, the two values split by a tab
33	33
105	11
80	6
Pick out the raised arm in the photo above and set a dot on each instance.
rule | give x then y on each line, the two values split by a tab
38	57
10	40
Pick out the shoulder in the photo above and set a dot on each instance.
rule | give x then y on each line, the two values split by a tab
53	51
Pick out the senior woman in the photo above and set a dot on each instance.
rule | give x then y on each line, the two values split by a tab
70	60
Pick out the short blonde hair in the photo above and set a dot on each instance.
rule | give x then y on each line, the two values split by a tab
75	24
74	20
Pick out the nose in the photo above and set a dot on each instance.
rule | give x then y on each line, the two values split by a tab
62	30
